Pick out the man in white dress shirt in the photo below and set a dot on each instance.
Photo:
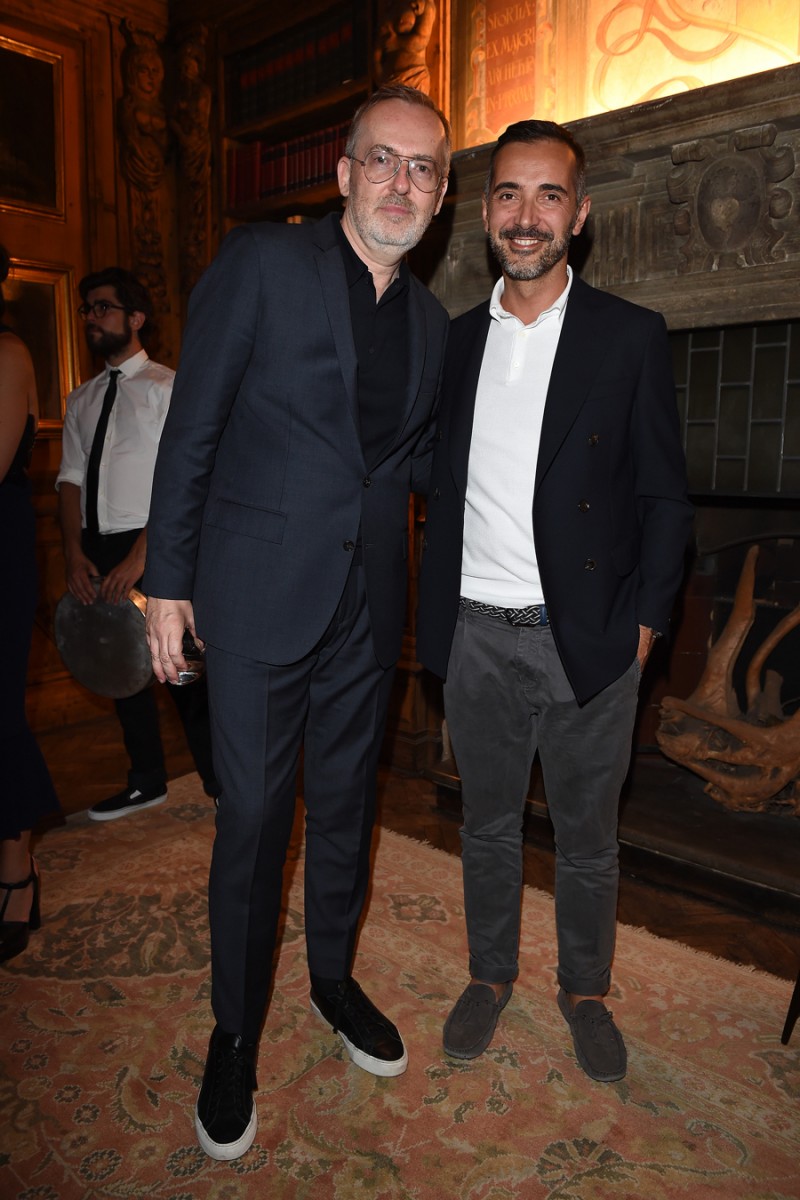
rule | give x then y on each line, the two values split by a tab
111	433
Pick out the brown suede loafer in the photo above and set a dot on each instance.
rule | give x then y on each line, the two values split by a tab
470	1027
598	1043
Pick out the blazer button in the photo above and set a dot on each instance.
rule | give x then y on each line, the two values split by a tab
348	546
436	493
367	482
439	435
584	505
589	565
594	438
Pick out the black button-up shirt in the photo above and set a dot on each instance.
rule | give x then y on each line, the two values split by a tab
380	334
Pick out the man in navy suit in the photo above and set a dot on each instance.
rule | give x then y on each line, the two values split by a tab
554	545
300	421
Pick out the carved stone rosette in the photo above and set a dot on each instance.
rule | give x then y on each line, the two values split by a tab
731	207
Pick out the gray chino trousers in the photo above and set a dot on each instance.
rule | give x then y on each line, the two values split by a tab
506	697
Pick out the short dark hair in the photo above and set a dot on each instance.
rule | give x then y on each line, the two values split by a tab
132	295
533	131
399	91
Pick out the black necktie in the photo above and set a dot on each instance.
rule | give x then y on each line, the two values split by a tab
96	453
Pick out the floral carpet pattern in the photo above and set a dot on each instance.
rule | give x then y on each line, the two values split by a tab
106	1020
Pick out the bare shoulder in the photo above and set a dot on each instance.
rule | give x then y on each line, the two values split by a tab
16	364
13	349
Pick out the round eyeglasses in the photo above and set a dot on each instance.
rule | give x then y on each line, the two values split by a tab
98	310
381	165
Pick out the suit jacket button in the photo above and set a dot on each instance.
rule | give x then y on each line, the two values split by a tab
348	546
367	482
594	438
436	493
439	435
589	565
584	505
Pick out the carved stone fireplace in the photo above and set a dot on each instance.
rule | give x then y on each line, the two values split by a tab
696	213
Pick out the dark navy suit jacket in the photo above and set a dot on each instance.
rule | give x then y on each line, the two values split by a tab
261	490
610	515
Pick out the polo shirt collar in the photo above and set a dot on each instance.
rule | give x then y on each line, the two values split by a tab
501	314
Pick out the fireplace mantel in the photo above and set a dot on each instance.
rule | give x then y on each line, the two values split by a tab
695	207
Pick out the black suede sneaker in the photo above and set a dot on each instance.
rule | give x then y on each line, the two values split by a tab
225	1119
127	801
598	1043
370	1038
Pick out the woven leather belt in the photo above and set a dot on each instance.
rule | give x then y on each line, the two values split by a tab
534	614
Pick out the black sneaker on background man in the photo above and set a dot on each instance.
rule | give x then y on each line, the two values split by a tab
225	1118
129	800
370	1038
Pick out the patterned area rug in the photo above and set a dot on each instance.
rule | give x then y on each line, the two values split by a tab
106	1019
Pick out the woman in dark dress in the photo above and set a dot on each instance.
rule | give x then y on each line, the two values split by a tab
26	790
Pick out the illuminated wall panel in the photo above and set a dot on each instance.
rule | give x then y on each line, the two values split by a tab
567	59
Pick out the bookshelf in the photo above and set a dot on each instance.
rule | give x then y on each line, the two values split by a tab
288	100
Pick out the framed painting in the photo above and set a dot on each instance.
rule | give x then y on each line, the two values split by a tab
31	129
38	310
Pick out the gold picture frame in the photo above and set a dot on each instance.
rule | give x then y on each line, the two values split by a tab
31	129
39	310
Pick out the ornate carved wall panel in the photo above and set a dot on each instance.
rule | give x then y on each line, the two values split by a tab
695	206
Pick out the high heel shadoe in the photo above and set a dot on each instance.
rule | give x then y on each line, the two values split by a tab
14	934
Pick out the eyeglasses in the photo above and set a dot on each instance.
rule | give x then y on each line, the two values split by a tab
381	165
100	309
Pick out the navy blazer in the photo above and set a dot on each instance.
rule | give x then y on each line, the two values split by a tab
611	519
261	490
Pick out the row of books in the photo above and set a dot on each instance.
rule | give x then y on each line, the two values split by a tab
297	65
260	169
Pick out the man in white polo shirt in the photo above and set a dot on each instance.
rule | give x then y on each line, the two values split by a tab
111	433
554	544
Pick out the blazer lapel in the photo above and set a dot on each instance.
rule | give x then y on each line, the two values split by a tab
581	346
337	305
417	348
462	372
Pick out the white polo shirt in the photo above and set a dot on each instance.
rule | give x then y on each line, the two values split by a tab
498	564
135	423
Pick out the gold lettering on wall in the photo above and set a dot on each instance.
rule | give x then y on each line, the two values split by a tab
510	66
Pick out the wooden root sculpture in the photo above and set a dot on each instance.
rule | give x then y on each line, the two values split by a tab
751	760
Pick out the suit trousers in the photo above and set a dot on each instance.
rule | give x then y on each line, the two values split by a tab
138	714
506	697
332	703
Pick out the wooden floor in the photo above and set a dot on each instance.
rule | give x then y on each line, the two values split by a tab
89	764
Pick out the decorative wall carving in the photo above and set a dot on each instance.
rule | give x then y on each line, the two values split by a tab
143	149
686	192
731	209
404	34
189	121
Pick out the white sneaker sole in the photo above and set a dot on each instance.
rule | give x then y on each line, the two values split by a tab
375	1066
227	1151
124	812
